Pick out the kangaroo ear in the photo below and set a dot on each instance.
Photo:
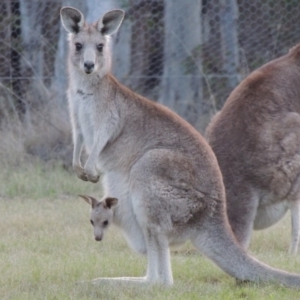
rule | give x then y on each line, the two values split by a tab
111	22
90	200
72	19
110	202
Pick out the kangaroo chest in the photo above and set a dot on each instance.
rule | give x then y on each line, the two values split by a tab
82	104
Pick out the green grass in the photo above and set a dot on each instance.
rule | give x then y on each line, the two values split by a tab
36	180
47	249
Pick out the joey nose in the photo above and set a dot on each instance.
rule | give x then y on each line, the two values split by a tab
89	67
98	238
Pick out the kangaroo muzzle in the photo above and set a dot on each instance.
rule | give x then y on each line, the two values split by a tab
88	67
89	60
98	235
98	238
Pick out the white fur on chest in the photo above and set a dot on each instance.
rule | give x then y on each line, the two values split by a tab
83	114
94	114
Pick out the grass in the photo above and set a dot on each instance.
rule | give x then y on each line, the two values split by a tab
36	180
47	249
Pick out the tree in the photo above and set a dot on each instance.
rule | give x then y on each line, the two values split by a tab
229	41
181	87
121	63
40	25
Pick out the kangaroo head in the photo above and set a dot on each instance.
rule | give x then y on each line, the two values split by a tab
89	43
101	214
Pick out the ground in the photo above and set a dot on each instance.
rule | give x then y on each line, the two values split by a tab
47	250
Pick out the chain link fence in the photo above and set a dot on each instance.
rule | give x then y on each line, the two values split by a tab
188	55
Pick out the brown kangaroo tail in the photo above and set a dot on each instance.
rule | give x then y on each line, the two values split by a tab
218	242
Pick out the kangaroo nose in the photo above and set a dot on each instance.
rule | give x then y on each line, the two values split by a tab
98	238
88	67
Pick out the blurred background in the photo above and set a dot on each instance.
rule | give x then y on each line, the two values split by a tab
186	54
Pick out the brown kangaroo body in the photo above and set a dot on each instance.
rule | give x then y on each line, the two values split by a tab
256	139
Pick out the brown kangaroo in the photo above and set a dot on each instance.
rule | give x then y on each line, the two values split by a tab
256	139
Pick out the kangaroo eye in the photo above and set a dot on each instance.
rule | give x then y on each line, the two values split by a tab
105	223
100	47
92	222
78	46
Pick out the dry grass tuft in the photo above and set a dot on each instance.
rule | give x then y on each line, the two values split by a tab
44	134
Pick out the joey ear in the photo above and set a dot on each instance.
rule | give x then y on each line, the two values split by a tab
90	200
111	22
72	19
110	202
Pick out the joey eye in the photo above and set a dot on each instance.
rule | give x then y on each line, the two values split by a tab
105	223
78	46
100	47
92	222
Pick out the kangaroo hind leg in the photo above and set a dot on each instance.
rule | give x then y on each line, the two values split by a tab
159	263
158	267
241	210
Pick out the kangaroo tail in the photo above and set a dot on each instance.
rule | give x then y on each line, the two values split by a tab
218	243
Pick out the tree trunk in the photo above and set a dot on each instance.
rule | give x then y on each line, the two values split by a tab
229	37
32	18
181	88
121	62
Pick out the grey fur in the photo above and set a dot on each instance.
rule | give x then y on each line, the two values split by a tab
163	172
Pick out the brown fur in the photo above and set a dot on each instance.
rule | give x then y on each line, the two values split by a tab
256	138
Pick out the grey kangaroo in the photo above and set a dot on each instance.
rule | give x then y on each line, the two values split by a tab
256	139
163	173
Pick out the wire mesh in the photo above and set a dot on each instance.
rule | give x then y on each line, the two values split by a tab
188	55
